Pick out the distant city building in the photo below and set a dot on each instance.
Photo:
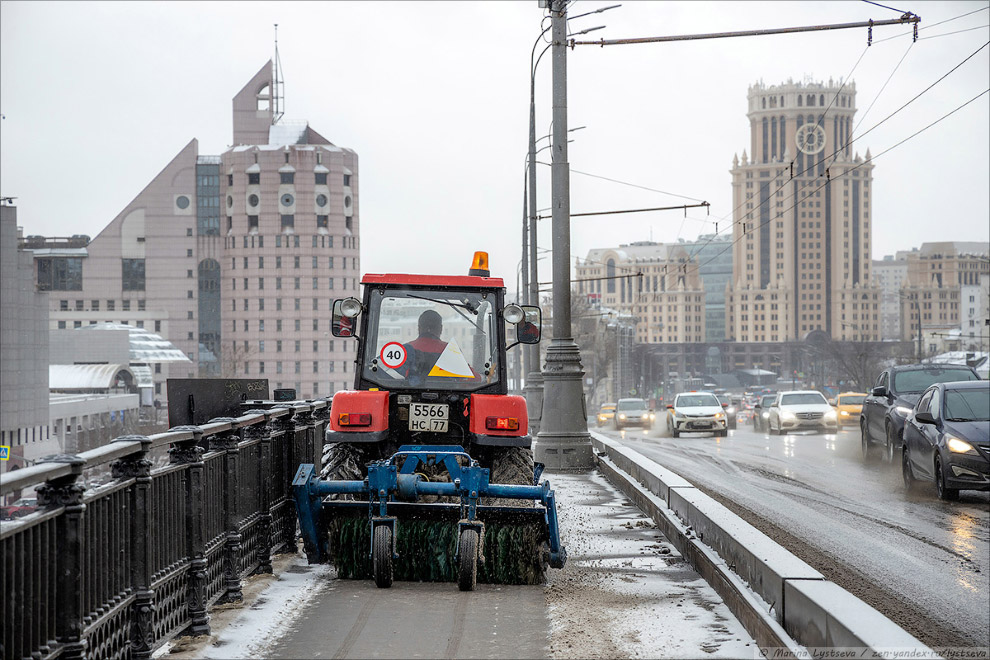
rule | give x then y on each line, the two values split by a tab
713	255
235	259
24	346
657	284
801	220
946	284
889	274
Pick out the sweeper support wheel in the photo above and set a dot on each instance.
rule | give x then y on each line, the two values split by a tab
382	556
467	550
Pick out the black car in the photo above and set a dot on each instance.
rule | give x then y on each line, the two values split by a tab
893	396
947	439
761	412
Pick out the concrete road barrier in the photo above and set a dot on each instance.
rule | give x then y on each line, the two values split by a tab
781	601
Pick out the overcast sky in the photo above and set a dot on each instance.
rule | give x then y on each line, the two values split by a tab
98	97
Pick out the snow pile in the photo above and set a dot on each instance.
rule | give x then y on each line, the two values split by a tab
625	591
262	623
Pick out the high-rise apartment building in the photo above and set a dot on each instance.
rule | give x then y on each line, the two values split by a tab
889	274
801	220
235	258
713	255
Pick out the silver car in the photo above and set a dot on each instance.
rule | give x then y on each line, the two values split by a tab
800	410
633	412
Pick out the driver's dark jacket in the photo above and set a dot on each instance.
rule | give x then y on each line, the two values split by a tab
421	354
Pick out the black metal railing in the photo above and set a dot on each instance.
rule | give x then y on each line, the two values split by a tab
117	570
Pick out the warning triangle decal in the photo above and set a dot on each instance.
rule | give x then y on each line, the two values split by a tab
451	363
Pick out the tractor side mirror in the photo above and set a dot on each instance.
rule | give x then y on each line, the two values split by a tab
529	329
344	317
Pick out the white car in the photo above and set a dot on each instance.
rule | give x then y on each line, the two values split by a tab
696	411
799	410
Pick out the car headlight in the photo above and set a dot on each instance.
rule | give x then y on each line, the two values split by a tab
903	411
622	416
958	446
653	416
830	414
730	410
786	414
766	413
678	413
719	415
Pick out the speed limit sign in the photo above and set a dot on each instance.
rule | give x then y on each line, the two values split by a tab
393	355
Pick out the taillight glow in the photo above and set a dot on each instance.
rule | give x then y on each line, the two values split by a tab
502	424
354	419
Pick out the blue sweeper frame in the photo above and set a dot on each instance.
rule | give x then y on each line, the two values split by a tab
395	486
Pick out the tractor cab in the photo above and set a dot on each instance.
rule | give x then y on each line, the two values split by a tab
437	333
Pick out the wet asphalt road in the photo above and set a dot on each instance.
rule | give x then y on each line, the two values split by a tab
922	562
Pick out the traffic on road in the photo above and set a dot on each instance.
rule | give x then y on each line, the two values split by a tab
897	544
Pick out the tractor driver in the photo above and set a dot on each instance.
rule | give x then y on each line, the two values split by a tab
424	351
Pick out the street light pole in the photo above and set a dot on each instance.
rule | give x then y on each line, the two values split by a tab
534	376
563	441
524	292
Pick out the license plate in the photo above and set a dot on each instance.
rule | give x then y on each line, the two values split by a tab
430	417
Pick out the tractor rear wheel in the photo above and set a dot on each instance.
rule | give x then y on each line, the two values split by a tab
467	574
344	461
512	465
382	556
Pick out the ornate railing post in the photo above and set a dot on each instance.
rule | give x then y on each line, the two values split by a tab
190	454
142	615
262	433
282	472
316	451
302	452
65	492
227	442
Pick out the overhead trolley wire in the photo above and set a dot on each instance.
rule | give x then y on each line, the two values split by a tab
921	29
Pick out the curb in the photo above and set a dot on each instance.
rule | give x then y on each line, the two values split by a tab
781	601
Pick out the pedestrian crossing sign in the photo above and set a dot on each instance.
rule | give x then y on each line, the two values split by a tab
4	453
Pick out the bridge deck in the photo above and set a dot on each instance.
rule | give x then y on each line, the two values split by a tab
625	592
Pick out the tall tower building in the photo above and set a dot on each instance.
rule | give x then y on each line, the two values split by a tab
290	246
801	220
235	259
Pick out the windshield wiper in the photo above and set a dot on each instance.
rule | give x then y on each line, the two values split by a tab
961	419
465	305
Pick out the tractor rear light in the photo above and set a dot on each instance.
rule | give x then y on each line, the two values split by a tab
354	419
502	424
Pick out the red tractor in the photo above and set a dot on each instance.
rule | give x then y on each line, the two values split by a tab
430	371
